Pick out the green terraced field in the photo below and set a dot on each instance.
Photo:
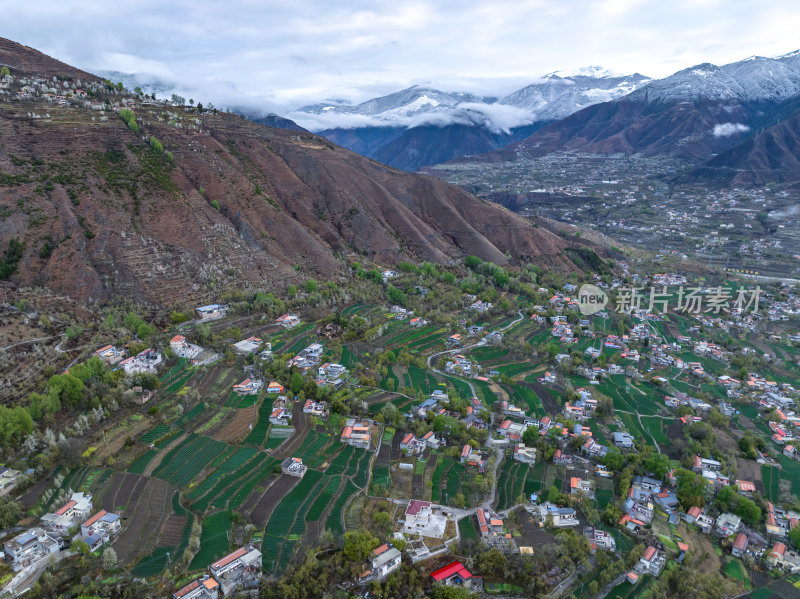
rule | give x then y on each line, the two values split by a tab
334	521
139	465
213	540
153	435
188	459
259	433
332	487
467	530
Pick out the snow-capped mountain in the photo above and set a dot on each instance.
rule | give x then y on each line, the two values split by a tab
552	97
738	123
422	125
559	94
753	79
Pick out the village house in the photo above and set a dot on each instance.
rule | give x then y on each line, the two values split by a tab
423	519
145	361
410	445
782	557
293	467
182	348
739	545
319	409
511	430
651	562
454	339
76	510
593	449
287	321
248	386
9	479
728	524
356	433
110	354
454	574
211	311
236	568
103	524
561	517
580	486
331	374
462	366
430	440
526	455
275	387
281	411
308	357
385	560
202	588
29	547
623	440
471	457
247	346
599	539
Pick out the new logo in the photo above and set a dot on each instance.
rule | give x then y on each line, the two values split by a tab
591	299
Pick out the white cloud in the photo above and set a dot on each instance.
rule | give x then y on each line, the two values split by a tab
288	54
728	129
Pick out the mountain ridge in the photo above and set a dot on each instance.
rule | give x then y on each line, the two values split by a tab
101	211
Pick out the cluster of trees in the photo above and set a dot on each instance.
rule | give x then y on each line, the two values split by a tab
126	114
11	258
728	500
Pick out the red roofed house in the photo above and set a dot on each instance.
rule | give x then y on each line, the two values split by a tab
275	387
739	545
454	574
202	588
745	487
483	527
356	433
651	562
103	523
236	567
692	514
70	514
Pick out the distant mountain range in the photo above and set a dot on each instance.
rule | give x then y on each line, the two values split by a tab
420	126
738	123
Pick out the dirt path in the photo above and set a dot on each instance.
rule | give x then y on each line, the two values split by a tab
302	424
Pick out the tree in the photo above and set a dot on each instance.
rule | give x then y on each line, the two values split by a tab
297	382
658	464
358	544
691	488
109	558
4	72
446	592
311	286
794	536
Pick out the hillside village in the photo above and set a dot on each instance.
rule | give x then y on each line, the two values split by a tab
462	447
445	431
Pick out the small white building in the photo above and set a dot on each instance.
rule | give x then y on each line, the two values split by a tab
294	467
385	559
247	346
76	510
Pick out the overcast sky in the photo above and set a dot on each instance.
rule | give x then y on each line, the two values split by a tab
282	54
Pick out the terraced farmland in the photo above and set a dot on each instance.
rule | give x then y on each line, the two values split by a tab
188	459
258	435
214	541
